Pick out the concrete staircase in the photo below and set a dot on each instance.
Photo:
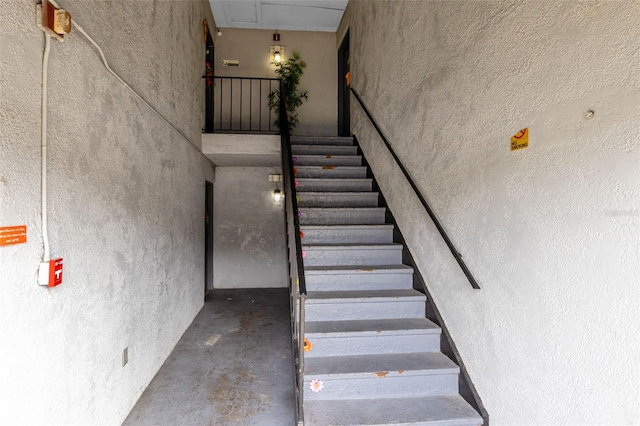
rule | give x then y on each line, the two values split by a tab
374	359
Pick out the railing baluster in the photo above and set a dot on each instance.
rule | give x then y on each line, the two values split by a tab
228	101
270	90
260	104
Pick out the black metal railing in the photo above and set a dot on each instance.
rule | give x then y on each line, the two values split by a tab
424	202
297	286
241	104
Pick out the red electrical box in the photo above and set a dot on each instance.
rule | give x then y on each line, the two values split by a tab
50	273
55	272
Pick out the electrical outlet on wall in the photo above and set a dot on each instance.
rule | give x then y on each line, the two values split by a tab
125	356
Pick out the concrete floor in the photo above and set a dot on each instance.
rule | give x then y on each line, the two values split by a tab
232	366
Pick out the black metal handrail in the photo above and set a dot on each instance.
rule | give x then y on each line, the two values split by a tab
297	286
241	104
424	202
287	161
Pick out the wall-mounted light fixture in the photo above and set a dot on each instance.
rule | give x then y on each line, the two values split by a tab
277	195
276	53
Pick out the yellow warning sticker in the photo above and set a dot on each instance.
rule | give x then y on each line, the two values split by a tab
520	140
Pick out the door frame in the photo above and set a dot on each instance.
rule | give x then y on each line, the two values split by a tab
344	94
208	237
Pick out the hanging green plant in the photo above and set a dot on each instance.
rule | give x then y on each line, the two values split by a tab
289	73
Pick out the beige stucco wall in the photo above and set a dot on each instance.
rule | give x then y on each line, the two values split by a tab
249	234
318	116
550	232
126	206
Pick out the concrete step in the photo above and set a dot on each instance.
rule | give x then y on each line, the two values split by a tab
352	254
338	199
327	160
347	234
389	336
321	140
330	172
441	410
382	376
342	215
324	149
363	305
364	277
337	185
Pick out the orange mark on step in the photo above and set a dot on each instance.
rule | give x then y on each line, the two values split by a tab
366	270
382	374
307	346
401	372
328	167
328	156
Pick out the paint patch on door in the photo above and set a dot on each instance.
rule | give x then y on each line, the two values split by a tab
10	235
520	140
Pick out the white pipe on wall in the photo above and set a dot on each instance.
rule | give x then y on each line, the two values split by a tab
44	212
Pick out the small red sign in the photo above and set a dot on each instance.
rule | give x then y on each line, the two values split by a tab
55	272
10	235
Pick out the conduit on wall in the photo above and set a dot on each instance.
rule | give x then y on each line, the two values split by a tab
44	212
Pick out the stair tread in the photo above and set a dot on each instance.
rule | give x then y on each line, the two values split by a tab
342	209
353	246
323	145
333	179
358	269
325	167
324	156
348	227
438	410
349	295
381	365
305	140
374	326
336	193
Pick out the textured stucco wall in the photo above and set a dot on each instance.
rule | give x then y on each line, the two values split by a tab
551	232
126	207
318	116
249	236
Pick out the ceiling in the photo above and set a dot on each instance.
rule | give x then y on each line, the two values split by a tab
298	15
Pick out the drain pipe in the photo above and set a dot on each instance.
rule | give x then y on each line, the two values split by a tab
44	213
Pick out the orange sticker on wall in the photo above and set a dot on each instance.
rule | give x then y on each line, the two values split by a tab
10	235
520	140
